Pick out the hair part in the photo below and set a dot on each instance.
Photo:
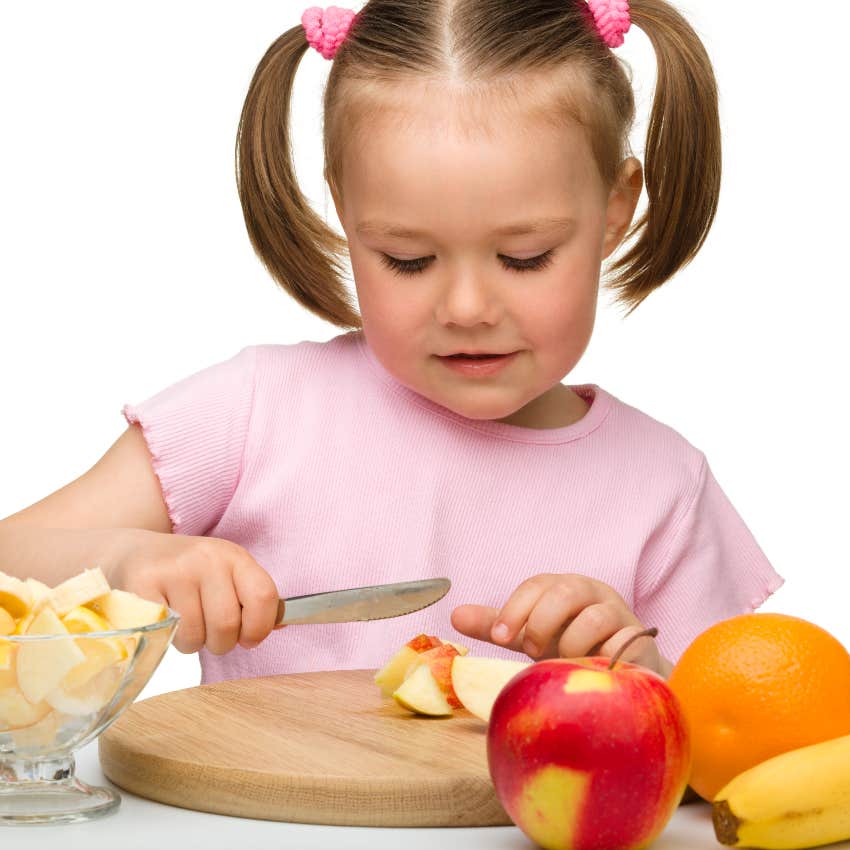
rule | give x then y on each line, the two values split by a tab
543	56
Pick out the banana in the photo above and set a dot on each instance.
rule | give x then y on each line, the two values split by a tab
800	798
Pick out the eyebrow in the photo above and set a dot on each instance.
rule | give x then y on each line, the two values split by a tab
538	225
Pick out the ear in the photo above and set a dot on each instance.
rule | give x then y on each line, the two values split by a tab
622	202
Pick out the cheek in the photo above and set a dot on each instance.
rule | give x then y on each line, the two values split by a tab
388	311
566	317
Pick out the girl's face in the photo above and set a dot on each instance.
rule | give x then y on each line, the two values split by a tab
507	231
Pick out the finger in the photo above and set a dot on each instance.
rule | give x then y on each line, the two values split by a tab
222	612
258	596
557	607
589	630
637	652
514	614
476	621
191	632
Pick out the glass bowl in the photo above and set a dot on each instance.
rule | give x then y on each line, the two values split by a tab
42	723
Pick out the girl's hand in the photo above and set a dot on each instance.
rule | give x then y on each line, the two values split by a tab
222	594
567	616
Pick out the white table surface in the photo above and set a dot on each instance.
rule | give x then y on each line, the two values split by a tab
140	823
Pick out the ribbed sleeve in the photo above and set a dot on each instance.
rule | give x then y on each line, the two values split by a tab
196	431
705	567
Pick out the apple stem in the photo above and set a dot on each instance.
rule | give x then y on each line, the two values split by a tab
650	632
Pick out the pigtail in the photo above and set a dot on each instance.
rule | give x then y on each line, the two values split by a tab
682	160
300	251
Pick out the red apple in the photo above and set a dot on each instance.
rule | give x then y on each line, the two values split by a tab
584	757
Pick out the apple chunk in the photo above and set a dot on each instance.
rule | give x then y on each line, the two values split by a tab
439	661
125	610
41	665
391	675
89	698
478	681
17	712
420	693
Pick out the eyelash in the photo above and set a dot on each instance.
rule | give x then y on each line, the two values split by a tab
411	267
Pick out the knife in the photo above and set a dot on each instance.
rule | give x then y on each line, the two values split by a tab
362	603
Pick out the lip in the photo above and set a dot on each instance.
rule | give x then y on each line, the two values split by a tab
477	352
478	368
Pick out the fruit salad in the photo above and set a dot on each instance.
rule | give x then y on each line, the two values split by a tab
55	660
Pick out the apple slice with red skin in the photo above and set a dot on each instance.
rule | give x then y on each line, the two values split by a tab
421	694
393	673
439	662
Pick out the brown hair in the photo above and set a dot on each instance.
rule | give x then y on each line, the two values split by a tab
493	46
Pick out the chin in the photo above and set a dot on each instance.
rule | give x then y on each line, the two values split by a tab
484	411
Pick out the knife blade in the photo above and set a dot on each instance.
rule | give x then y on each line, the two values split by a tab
376	602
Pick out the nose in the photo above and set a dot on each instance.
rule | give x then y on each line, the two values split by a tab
468	298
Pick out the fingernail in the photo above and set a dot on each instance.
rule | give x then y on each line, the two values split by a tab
249	644
500	632
529	648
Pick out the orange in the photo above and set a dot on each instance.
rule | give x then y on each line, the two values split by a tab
758	685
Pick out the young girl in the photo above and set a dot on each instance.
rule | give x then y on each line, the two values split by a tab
478	160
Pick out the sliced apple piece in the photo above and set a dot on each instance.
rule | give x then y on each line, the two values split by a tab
15	596
439	661
77	590
24	623
100	653
125	610
420	693
7	654
41	665
80	620
89	698
7	622
7	665
478	681
16	711
391	675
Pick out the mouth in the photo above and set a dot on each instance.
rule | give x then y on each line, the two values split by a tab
477	364
463	355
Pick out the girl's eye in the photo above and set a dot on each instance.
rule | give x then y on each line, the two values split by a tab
420	263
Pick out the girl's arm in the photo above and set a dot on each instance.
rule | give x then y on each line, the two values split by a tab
114	517
84	523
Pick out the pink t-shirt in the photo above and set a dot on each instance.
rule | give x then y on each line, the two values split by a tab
333	474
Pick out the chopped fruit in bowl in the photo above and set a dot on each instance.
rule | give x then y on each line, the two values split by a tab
72	658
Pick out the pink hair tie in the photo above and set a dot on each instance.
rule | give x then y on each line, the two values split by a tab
326	30
612	19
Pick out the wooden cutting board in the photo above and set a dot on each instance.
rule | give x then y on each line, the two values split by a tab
311	747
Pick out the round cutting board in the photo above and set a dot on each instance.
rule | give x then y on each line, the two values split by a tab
310	747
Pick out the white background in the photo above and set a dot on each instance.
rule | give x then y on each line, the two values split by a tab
125	264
